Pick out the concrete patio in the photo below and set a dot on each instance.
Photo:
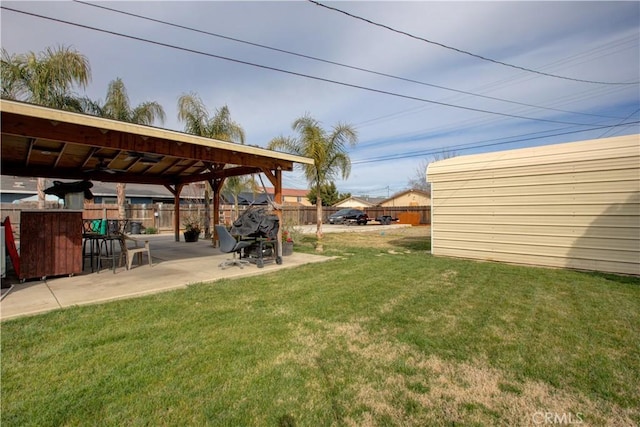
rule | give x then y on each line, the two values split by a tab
175	265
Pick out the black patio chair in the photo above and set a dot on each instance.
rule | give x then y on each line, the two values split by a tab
229	244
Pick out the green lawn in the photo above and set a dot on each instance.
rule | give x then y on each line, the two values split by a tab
383	335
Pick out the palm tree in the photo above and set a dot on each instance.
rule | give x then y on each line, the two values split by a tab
194	113
118	107
235	185
47	78
328	151
10	80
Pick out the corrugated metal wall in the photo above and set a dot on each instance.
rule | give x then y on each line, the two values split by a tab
574	205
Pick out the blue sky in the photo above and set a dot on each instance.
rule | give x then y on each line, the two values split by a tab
400	123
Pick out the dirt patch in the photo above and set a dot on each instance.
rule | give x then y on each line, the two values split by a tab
399	239
392	381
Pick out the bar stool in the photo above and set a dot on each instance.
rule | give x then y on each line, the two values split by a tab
92	232
112	240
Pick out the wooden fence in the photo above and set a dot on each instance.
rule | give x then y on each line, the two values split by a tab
160	216
296	215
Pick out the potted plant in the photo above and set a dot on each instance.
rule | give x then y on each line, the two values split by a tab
287	243
192	229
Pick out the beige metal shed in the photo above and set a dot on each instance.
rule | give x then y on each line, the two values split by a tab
573	205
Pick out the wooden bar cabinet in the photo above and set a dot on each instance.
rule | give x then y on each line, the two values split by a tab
50	243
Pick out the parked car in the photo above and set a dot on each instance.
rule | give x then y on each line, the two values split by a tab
346	216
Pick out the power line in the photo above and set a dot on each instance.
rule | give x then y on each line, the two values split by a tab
266	67
612	127
475	145
459	126
466	52
326	61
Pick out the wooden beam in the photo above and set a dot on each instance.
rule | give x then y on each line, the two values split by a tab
276	180
270	176
30	142
87	135
170	188
277	198
216	185
66	173
176	190
88	157
59	156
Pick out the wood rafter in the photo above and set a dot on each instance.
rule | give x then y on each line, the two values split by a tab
30	143
59	156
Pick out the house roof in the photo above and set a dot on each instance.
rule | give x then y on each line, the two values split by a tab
290	192
402	193
367	201
26	186
247	198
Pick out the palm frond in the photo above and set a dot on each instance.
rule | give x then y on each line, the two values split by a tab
147	113
328	151
222	127
286	144
12	84
193	112
48	78
117	105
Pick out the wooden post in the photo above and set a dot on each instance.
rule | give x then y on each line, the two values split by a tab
176	208
207	210
276	179
216	186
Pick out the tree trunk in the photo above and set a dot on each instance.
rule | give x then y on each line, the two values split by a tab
41	197
319	247
120	191
207	211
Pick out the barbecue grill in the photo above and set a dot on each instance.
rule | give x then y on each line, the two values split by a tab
257	224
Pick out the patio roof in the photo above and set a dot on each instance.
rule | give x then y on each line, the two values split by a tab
44	142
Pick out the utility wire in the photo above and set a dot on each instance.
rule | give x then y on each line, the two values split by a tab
266	67
475	145
326	61
466	52
480	144
612	127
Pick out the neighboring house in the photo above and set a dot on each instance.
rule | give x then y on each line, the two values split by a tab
358	202
293	196
13	189
407	198
246	198
290	197
573	205
402	199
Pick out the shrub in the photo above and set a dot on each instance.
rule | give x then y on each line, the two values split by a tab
150	230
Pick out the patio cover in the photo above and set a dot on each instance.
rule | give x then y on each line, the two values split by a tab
44	142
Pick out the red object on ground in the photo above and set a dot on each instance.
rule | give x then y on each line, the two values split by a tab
11	246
